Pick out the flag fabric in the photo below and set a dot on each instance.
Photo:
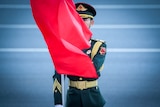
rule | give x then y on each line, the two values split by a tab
66	35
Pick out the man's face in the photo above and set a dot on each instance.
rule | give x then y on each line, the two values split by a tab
88	21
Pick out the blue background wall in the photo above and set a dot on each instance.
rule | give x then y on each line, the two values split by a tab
131	29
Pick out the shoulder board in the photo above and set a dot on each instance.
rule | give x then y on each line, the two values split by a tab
97	40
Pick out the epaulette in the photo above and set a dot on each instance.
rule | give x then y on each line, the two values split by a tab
98	40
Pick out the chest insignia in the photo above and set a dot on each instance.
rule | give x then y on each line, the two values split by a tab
102	50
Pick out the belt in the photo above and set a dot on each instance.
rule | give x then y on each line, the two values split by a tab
83	84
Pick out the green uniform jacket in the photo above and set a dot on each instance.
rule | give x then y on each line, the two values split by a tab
90	97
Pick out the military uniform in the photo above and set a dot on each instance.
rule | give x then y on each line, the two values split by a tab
84	92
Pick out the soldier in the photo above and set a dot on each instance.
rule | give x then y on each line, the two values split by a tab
83	92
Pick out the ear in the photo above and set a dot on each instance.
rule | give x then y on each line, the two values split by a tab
92	22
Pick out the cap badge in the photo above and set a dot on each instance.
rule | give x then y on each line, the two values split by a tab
81	8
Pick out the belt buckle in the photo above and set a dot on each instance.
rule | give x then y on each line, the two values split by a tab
81	85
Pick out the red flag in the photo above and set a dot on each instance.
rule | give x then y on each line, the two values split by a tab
66	36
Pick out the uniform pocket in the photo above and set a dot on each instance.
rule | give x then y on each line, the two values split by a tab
96	98
73	98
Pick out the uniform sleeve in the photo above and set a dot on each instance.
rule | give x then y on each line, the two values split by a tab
57	89
99	58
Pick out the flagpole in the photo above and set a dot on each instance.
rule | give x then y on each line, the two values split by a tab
62	84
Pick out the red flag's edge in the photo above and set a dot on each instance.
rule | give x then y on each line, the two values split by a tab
72	16
75	62
54	11
65	59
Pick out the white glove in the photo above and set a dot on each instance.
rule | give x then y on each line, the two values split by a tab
58	105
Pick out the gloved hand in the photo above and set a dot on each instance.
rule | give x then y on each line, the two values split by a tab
58	105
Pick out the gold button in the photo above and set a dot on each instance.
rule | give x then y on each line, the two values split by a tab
80	78
55	91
